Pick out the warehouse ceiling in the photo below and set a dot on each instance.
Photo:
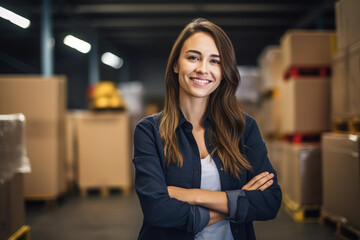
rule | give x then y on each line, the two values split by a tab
142	28
135	24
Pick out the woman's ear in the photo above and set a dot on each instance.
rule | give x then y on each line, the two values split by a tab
176	70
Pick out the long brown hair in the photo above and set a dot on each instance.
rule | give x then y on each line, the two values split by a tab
227	119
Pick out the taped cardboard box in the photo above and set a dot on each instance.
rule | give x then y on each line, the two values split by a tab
12	209
306	48
341	175
270	67
305	105
354	78
103	141
275	149
347	22
340	86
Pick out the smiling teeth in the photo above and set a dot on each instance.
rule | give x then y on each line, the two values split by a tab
201	81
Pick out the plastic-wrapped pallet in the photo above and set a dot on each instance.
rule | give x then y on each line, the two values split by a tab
301	173
341	175
13	162
13	158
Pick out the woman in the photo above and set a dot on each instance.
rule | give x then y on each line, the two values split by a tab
202	170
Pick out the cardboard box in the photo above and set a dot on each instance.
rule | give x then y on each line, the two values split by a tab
12	210
275	150
300	168
347	22
270	68
103	141
43	102
34	96
270	115
340	86
354	78
341	175
305	105
302	48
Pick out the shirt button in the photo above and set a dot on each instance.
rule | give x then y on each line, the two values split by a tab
197	172
221	169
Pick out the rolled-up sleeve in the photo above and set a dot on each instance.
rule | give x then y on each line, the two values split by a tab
247	206
238	205
158	208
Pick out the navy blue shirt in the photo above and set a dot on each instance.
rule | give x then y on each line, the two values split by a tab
168	218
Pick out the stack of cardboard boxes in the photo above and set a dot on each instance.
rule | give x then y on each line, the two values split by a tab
306	58
341	147
13	163
269	114
296	110
43	102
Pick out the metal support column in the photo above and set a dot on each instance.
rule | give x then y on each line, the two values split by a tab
47	63
94	71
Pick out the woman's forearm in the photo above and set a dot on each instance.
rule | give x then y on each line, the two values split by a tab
215	217
214	200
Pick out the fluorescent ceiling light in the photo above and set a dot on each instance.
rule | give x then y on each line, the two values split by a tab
14	18
77	43
112	60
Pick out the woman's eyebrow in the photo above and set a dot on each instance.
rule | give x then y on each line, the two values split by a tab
197	52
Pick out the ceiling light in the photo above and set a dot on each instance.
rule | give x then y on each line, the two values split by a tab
112	60
77	43
14	18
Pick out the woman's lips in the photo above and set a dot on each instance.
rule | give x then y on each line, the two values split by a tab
200	81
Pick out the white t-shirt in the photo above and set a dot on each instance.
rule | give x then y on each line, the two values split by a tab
210	180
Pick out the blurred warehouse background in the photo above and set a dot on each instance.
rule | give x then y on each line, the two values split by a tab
76	76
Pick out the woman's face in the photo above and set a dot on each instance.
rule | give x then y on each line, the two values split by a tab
198	66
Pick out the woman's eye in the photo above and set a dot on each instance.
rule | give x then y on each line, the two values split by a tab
193	58
215	61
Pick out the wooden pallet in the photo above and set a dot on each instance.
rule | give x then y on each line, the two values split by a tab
301	213
339	225
307	72
48	201
103	191
347	125
22	234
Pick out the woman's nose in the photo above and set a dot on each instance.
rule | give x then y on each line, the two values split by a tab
202	67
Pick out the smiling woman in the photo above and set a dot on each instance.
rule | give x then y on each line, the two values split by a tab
202	170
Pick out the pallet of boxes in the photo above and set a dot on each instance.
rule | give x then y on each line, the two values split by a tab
341	146
43	103
101	143
269	113
304	102
13	163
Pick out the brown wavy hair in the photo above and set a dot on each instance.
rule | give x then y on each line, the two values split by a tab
226	115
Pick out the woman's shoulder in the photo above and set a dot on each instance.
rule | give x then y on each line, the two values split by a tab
250	126
150	121
249	120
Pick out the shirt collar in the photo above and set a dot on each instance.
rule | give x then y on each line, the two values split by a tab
183	121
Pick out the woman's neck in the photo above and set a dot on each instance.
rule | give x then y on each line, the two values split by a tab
194	110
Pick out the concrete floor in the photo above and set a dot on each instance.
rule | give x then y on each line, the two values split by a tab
119	217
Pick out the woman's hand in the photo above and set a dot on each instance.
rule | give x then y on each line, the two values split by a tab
259	182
